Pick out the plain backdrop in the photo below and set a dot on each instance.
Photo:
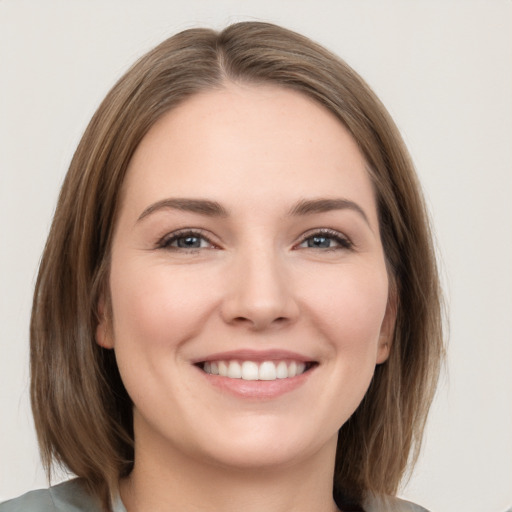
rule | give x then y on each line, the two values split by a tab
443	69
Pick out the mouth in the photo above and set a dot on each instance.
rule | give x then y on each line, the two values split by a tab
248	370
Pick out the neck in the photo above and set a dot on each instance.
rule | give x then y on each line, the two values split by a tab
177	481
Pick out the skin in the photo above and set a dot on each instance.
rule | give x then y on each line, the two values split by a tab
254	283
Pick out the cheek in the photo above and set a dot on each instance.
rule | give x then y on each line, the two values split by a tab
155	308
346	306
350	309
155	313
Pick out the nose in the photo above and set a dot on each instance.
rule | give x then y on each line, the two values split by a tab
260	293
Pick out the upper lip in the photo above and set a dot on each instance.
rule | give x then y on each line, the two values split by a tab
254	355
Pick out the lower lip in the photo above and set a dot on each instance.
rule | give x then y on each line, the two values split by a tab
257	389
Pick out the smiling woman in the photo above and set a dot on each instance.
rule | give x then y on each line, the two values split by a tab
238	305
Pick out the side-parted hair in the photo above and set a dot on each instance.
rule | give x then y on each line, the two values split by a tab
83	414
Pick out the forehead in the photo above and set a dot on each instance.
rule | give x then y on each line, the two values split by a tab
245	141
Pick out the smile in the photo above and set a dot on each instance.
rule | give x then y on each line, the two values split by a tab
251	370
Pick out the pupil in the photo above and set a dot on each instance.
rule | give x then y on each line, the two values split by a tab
189	241
319	241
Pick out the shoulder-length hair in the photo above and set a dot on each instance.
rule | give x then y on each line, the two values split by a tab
83	414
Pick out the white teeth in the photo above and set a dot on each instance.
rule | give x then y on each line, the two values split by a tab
223	369
250	370
268	371
282	370
234	370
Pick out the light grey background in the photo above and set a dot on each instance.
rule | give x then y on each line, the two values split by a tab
443	69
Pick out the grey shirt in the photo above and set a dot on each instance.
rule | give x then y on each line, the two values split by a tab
71	497
66	497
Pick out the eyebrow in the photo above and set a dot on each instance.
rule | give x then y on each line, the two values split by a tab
215	209
201	206
312	206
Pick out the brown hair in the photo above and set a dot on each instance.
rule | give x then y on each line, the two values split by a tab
82	412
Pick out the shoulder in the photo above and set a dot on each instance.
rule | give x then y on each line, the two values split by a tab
66	497
389	504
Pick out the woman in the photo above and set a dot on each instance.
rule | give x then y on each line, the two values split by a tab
238	304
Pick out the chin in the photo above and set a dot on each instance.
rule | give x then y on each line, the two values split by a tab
265	448
252	458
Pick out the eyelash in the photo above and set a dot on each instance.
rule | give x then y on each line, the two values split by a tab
167	240
343	242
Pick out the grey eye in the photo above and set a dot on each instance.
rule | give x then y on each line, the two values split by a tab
185	240
188	242
326	240
319	241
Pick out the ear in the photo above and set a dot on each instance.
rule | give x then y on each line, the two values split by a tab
104	336
387	329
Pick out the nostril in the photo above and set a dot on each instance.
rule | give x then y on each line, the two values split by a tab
260	322
241	319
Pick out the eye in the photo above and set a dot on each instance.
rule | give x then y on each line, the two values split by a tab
185	240
325	239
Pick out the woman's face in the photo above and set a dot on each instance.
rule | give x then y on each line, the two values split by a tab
247	244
